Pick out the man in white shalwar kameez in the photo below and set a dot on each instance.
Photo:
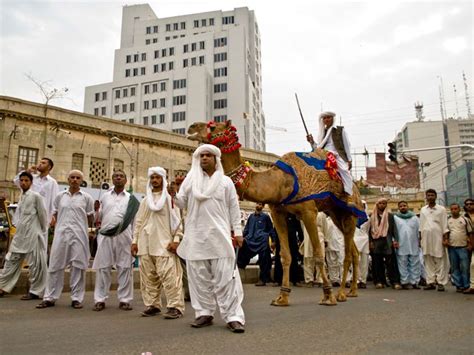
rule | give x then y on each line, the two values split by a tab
28	243
334	139
73	211
311	271
157	233
334	253
213	212
46	186
117	211
361	240
433	228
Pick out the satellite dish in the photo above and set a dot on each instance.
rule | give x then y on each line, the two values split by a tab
84	184
105	186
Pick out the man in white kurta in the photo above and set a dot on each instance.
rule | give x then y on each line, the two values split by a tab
433	227
73	211
46	186
156	236
310	268
361	240
334	253
27	243
113	249
334	139
213	212
407	246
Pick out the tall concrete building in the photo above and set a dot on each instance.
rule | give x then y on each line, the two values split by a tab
436	164
171	72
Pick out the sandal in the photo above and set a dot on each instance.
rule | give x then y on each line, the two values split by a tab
45	304
76	304
99	306
125	306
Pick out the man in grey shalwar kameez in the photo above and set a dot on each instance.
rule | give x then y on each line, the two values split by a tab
28	243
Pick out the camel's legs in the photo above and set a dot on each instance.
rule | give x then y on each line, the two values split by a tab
309	219
279	221
347	226
355	270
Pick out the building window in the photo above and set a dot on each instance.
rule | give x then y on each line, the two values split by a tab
220	42
163	86
186	48
117	109
155	87
220	118
117	94
168	27
211	22
125	92
203	22
220	72
135	71
96	111
175	26
135	58
228	20
193	61
103	111
156	68
124	108
179	100
162	102
193	47
179	130
97	171
201	59
147	89
220	87
171	51
222	103
97	97
143	57
142	70
127	73
157	54
185	63
147	41
162	118
154	103
170	65
77	161
148	30
155	29
128	59
146	105
153	119
132	106
26	158
183	25
131	120
179	84
132	91
196	23
145	121
163	66
179	116
104	95
202	45
220	57
163	52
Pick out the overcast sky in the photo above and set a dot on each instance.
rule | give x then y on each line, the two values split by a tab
368	61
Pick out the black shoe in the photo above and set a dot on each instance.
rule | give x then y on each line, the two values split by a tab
29	296
173	313
441	288
151	311
202	321
99	306
336	284
45	304
76	305
236	327
429	287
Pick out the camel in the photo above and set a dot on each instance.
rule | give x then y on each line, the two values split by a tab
273	186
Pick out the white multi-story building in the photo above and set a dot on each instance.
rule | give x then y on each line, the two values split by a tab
171	72
435	164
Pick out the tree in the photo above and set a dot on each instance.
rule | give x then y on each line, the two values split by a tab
47	91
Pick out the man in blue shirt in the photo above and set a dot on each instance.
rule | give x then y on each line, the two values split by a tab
256	234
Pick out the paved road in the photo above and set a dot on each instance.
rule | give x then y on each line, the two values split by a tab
378	321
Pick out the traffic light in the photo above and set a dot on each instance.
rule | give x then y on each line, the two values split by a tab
392	151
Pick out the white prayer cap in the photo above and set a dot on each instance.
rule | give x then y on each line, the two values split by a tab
75	171
327	114
157	170
207	148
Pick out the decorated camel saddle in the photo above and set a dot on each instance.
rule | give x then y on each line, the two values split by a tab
315	177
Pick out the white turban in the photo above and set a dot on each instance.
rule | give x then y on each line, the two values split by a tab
322	138
195	178
158	205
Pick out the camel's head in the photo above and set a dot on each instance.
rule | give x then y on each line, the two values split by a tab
222	135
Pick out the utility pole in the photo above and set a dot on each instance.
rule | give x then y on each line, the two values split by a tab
466	93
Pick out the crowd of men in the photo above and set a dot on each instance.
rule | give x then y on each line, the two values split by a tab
197	258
